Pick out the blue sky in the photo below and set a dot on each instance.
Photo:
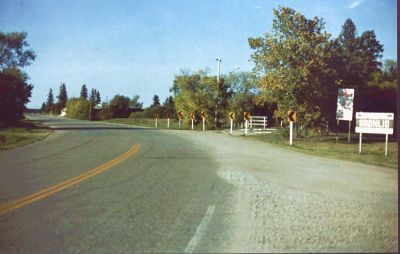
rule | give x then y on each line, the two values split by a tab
136	47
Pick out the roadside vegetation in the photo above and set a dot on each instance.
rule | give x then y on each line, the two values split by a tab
373	147
22	133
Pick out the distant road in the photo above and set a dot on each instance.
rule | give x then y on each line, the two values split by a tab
94	187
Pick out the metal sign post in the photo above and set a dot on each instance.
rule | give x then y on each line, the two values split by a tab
168	122
203	115
156	116
179	124
231	116
291	133
360	142
192	123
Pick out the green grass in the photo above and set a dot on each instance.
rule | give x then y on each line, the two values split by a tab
22	133
161	123
373	148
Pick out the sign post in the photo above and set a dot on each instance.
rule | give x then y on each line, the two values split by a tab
375	123
192	117
156	115
246	118
231	116
203	115
180	114
292	118
344	110
167	120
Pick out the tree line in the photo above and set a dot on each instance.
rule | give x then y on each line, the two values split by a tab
298	67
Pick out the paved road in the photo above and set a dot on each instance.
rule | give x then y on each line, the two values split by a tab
184	191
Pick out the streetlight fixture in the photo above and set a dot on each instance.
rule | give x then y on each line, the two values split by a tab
216	105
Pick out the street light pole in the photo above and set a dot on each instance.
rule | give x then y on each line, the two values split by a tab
216	106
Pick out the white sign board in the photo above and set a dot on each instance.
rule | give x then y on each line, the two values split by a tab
344	110
375	123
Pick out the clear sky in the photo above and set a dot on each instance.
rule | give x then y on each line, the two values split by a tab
136	47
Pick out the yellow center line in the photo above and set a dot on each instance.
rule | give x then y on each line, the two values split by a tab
5	208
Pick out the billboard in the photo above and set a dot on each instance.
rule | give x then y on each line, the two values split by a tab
344	110
376	123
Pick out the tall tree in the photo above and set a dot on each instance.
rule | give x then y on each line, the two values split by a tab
134	102
14	88
98	98
13	52
50	101
156	101
43	108
92	96
84	92
357	56
14	94
62	97
290	63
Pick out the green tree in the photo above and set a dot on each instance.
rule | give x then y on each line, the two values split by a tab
98	98
62	97
134	102
119	106
156	101
357	56
78	108
50	102
43	108
12	51
169	106
197	92
14	94
14	88
290	63
84	92
243	89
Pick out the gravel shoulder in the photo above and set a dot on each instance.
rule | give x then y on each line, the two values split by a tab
292	202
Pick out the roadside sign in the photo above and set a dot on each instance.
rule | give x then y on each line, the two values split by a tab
292	116
192	116
374	123
344	110
168	115
156	115
180	113
246	116
232	115
203	114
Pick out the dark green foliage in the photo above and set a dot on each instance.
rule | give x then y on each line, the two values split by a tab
78	108
14	94
84	92
12	51
156	100
119	106
62	97
14	88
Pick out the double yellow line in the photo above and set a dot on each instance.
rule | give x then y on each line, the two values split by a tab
68	183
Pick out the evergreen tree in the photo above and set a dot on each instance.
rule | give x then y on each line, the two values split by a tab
156	101
84	92
92	96
62	97
50	101
43	108
98	98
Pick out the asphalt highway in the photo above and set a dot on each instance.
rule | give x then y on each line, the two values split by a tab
94	187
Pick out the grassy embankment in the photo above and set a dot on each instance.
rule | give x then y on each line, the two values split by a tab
373	147
22	133
149	122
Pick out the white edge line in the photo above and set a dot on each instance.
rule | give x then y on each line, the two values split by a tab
200	230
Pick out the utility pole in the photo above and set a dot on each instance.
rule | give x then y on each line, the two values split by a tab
216	106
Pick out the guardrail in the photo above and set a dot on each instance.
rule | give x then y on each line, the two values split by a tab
258	121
